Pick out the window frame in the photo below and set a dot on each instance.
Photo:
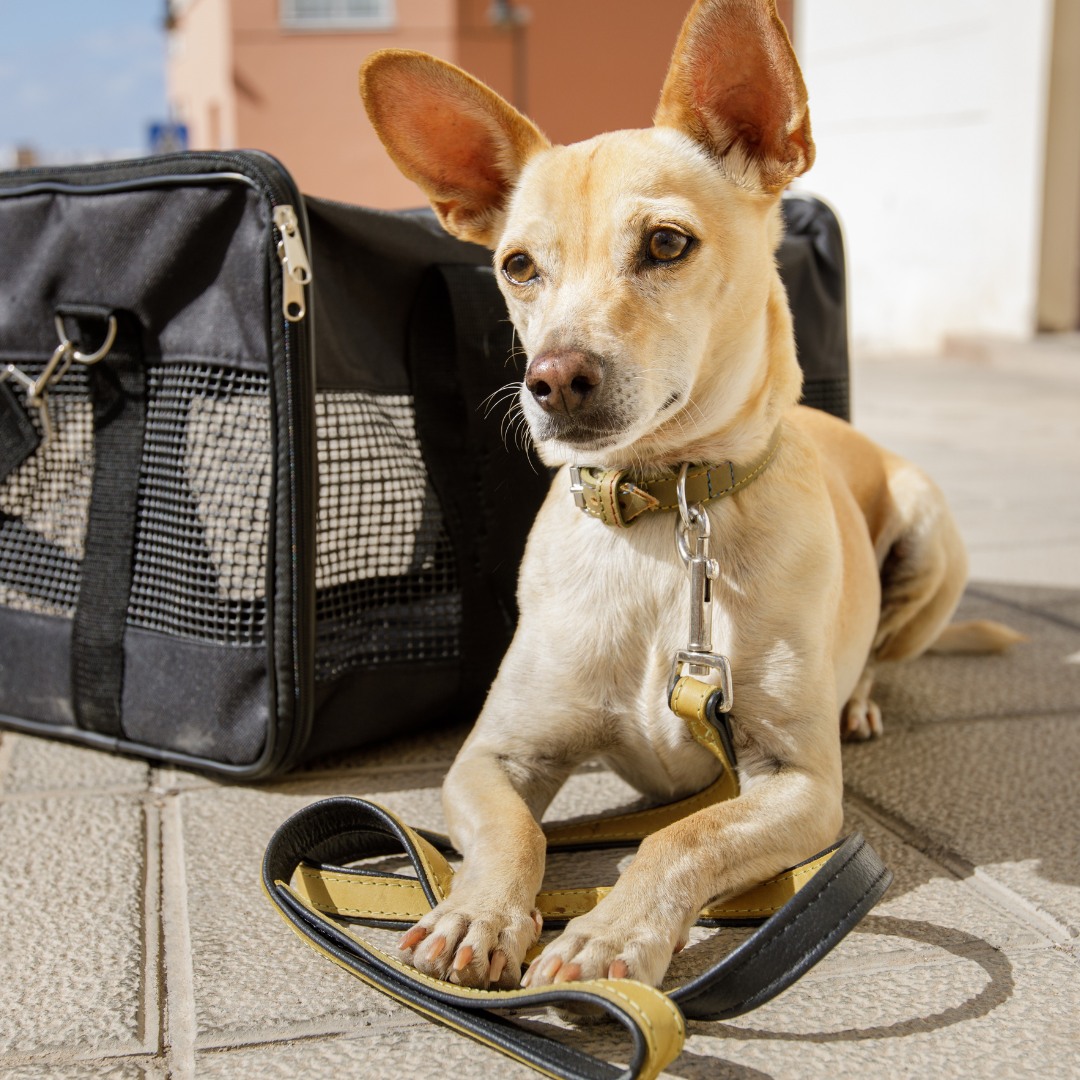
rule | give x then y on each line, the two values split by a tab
384	19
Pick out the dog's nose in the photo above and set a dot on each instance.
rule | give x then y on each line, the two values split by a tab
561	382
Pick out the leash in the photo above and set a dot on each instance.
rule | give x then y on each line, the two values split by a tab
803	912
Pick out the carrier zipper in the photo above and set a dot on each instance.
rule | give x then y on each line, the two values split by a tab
296	270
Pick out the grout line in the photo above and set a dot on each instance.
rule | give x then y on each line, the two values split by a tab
76	793
968	874
178	976
295	1033
98	1058
151	1006
1027	609
7	749
981	718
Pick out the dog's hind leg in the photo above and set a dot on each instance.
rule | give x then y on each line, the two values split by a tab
923	572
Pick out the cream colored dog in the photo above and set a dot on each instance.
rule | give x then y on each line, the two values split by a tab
640	273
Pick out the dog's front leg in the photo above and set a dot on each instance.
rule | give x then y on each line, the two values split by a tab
478	936
717	852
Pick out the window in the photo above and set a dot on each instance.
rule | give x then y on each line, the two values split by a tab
337	14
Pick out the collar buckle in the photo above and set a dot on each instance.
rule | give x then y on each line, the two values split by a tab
577	488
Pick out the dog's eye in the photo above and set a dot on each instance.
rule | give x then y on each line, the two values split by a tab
520	268
667	245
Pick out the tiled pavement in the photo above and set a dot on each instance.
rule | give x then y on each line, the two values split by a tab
135	941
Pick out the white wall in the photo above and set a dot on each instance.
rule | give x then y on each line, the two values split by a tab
929	118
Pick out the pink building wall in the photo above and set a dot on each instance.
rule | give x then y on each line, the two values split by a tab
240	79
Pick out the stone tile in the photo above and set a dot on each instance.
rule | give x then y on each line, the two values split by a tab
251	976
40	765
71	939
1061	604
951	1017
983	1014
1000	794
417	1050
1030	678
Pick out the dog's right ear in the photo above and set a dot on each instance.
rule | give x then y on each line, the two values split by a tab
462	143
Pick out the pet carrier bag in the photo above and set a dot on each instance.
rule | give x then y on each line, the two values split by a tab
252	507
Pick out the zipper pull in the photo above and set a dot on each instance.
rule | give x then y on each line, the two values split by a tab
294	263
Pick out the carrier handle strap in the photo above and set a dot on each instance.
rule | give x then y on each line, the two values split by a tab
116	383
845	882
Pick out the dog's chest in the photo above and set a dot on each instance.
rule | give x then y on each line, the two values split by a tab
615	607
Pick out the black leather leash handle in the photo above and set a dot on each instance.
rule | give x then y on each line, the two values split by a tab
346	829
787	944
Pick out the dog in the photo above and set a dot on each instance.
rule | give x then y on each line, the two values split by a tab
639	272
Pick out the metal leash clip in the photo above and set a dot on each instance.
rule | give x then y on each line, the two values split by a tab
692	530
59	364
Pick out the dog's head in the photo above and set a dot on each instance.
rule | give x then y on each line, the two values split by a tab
638	267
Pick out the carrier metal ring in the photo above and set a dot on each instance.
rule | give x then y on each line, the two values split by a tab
87	358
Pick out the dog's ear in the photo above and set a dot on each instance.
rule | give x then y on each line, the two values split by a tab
734	86
462	143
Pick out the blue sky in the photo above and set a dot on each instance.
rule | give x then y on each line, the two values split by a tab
81	76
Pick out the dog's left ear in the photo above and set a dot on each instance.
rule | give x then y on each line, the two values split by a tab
734	86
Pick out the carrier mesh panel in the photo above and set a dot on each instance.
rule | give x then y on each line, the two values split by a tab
43	505
829	395
386	581
385	572
204	498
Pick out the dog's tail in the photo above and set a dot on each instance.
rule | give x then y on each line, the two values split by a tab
976	636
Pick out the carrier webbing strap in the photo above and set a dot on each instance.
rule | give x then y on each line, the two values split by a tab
117	389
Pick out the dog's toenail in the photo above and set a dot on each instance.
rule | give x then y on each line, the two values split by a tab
463	958
412	938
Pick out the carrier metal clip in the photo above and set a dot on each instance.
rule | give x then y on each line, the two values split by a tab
65	354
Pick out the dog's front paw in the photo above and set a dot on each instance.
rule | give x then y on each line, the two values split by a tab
474	944
590	948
